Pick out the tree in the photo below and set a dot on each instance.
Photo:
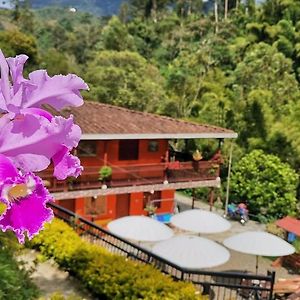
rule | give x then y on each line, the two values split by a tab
14	42
266	184
56	62
265	88
115	36
126	79
147	8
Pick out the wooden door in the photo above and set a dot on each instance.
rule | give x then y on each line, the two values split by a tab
122	205
68	204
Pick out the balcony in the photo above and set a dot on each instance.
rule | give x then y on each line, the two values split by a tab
136	175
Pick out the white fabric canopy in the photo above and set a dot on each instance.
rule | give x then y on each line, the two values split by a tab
259	243
140	228
192	252
200	221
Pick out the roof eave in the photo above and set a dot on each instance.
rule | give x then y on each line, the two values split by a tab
148	136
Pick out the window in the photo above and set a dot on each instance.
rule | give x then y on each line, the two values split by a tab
153	146
129	150
152	198
87	148
95	205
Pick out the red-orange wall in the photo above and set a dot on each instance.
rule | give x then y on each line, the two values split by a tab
112	150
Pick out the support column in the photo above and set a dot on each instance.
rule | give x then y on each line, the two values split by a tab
228	179
193	198
211	198
105	154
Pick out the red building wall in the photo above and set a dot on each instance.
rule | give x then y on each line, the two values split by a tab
111	148
109	151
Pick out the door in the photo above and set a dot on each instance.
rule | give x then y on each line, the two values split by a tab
122	205
68	204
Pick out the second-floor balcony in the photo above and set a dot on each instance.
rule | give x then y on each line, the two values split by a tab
136	175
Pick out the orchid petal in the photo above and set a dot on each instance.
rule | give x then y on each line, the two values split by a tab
16	65
30	141
7	169
59	91
28	214
66	165
38	111
4	83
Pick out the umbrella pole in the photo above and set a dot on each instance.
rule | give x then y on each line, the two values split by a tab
256	267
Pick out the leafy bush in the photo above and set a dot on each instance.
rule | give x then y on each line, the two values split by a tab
296	244
60	296
15	282
266	184
274	229
105	172
106	275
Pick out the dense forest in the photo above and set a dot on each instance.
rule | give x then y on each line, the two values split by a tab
236	66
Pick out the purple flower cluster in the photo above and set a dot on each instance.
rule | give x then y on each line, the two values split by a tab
30	139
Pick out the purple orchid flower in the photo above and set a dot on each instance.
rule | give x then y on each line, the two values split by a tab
25	198
34	138
58	91
30	139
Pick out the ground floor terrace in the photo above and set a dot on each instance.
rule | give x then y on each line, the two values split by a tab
232	280
131	190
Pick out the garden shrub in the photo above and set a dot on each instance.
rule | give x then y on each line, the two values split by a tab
274	229
106	275
296	244
266	184
15	281
60	296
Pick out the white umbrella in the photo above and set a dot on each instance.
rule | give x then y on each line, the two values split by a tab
200	221
140	228
192	252
259	243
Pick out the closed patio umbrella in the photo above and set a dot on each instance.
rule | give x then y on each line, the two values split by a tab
140	228
200	221
192	252
259	243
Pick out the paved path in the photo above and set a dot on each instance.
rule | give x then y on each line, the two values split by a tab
49	278
238	261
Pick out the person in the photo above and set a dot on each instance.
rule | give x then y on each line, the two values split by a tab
217	157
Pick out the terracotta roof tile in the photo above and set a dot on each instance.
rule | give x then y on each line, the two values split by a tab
290	224
99	118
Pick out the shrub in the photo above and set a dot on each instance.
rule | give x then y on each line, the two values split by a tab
296	244
60	296
105	173
266	184
274	229
15	282
106	275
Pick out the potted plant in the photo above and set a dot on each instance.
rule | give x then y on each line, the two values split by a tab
213	169
150	209
105	173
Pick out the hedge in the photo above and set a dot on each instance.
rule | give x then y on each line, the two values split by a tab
106	275
15	282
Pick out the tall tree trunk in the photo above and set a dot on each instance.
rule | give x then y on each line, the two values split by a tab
154	10
216	17
189	9
225	9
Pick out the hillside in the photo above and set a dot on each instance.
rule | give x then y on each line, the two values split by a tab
99	7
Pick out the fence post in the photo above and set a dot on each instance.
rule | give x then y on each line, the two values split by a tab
272	284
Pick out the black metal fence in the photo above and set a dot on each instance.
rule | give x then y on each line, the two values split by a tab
218	285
